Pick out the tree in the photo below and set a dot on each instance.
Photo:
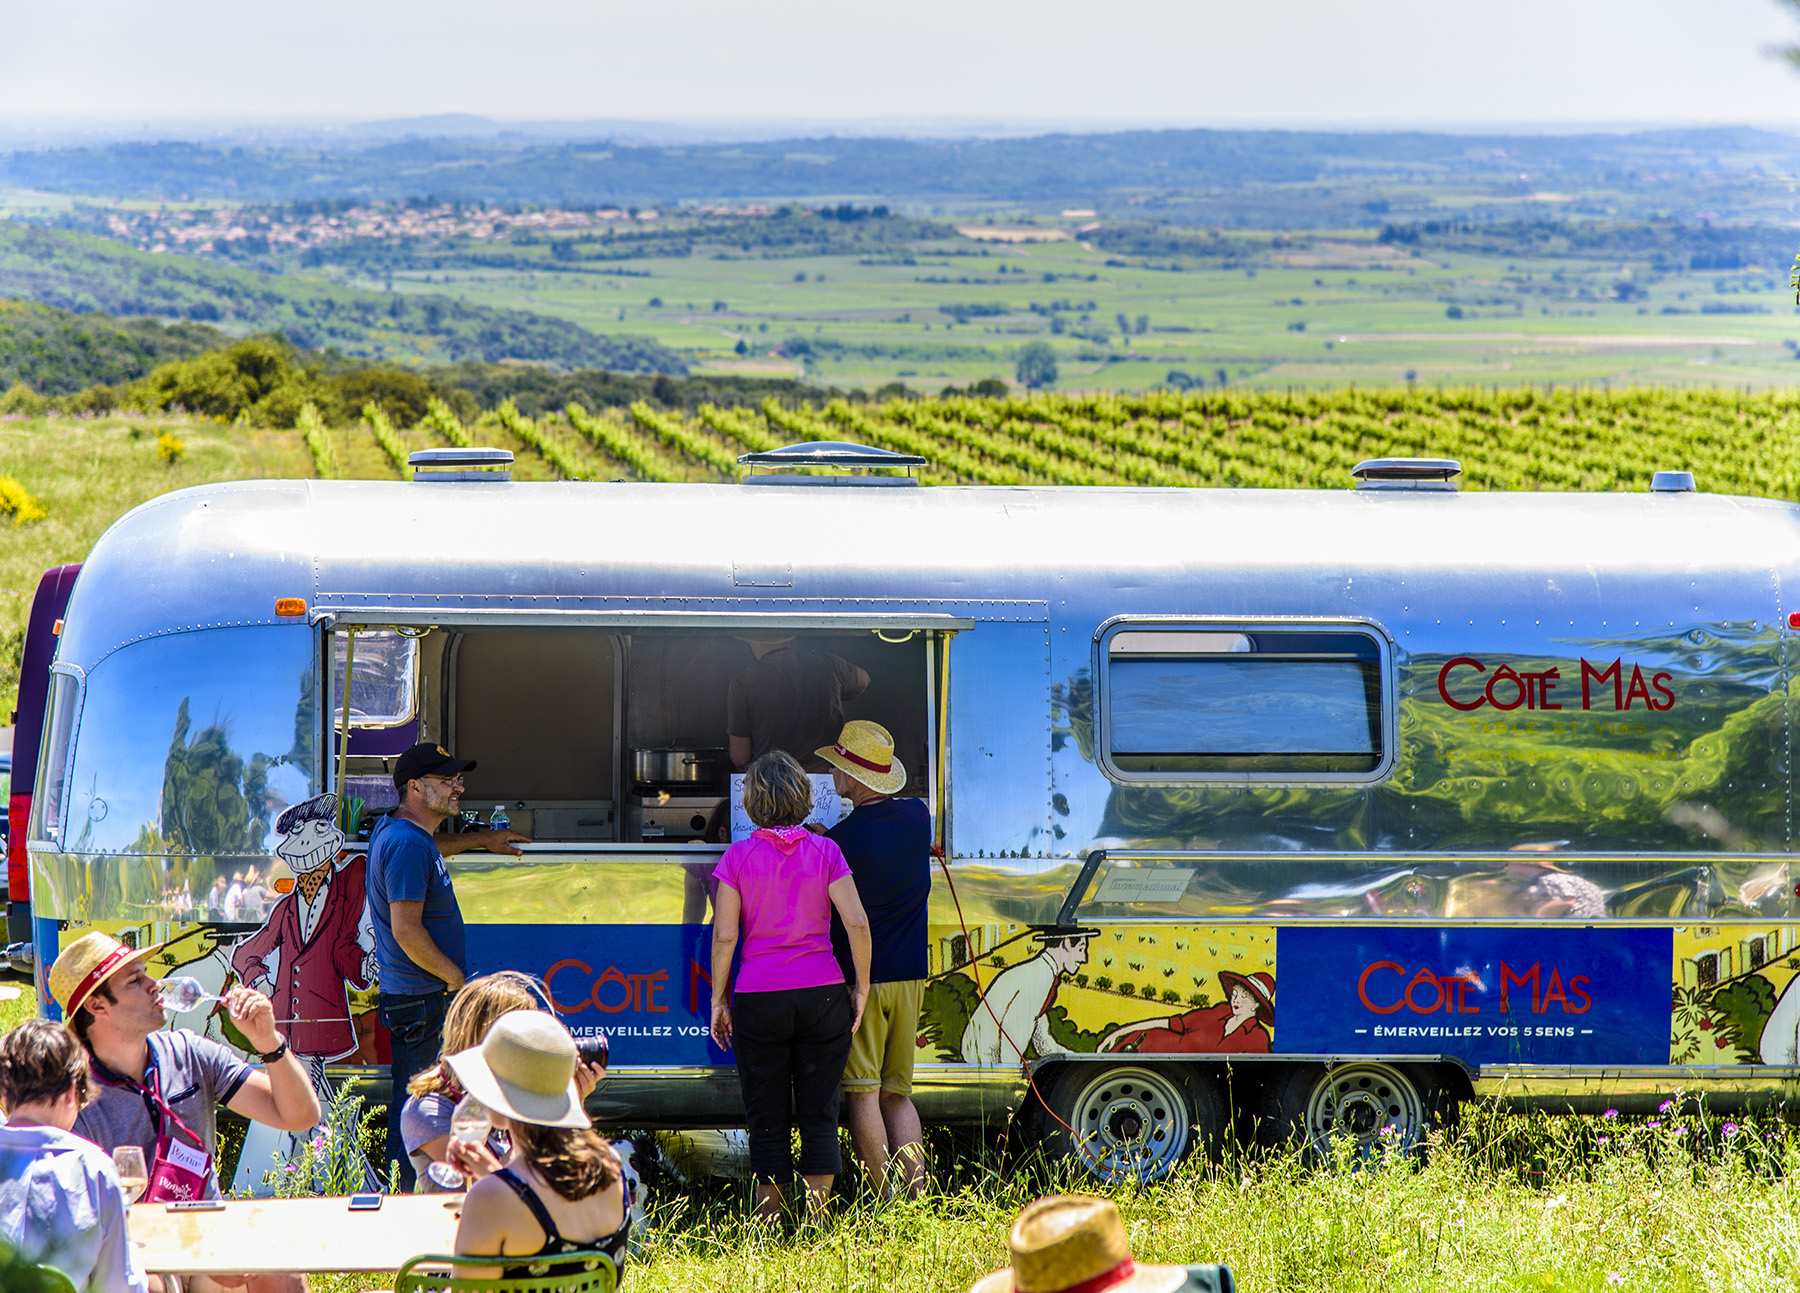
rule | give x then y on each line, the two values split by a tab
1036	365
742	348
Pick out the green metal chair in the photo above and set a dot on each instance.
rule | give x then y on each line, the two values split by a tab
435	1273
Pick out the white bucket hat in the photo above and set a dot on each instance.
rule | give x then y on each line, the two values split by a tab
524	1069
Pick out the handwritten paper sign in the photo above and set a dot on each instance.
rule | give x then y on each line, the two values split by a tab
828	809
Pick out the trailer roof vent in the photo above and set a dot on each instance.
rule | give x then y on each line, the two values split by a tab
1407	473
436	466
830	453
1672	482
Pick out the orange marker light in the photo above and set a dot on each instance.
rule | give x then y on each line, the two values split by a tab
56	629
290	605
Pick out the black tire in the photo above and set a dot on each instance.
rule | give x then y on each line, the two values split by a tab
1311	1106
1129	1122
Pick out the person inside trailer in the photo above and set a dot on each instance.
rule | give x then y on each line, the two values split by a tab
791	699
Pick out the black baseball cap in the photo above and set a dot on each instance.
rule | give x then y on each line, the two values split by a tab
426	760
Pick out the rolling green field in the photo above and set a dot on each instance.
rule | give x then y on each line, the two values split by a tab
1333	309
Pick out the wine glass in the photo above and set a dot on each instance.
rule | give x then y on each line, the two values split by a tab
181	994
134	1177
470	1123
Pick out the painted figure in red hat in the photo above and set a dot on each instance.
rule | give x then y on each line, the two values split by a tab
1242	1024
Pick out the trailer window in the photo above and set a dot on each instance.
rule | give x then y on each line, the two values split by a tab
1182	702
53	760
383	683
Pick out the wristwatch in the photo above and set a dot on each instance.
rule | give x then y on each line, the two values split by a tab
271	1057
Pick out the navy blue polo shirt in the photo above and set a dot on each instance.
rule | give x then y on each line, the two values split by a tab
888	846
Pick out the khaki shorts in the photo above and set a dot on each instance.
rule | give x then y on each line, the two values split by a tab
882	1049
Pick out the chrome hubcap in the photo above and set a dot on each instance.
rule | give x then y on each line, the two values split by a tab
1368	1104
1131	1124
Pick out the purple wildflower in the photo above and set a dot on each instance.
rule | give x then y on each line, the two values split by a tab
1665	1106
1730	1129
1610	1114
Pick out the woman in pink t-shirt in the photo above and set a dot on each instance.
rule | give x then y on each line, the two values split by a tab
790	1014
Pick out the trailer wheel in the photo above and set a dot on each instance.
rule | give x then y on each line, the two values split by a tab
1129	1122
1365	1104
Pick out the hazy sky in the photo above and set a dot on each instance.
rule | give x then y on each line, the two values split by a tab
1313	62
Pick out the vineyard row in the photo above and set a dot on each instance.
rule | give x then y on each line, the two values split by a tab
1736	443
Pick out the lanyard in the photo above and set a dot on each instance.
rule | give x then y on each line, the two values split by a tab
151	1095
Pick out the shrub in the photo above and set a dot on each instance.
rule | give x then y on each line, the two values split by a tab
241	379
23	506
21	400
171	449
405	397
1128	989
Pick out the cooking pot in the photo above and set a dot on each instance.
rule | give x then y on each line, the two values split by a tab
681	766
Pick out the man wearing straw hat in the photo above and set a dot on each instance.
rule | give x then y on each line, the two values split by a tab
160	1088
1073	1244
887	843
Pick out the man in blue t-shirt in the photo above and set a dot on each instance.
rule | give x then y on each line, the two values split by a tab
418	926
887	843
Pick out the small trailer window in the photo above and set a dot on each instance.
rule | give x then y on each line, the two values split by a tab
384	678
1184	702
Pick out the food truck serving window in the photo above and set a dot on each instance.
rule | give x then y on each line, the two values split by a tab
1187	702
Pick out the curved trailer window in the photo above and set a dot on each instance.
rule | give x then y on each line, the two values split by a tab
191	743
1189	702
53	760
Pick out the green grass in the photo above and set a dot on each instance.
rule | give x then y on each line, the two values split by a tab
1683	1201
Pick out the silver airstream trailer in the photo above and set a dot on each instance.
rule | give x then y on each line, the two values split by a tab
1326	808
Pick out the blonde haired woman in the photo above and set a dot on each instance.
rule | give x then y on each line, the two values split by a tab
561	1187
789	1014
432	1095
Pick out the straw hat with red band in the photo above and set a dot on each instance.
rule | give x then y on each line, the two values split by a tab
865	750
85	964
1070	1244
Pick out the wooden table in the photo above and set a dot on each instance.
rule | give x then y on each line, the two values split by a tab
252	1236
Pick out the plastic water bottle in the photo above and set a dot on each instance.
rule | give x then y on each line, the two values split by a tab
499	821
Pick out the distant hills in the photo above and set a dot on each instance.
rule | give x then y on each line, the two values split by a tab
490	162
80	273
57	352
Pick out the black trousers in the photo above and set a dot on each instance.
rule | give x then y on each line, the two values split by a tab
791	1047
